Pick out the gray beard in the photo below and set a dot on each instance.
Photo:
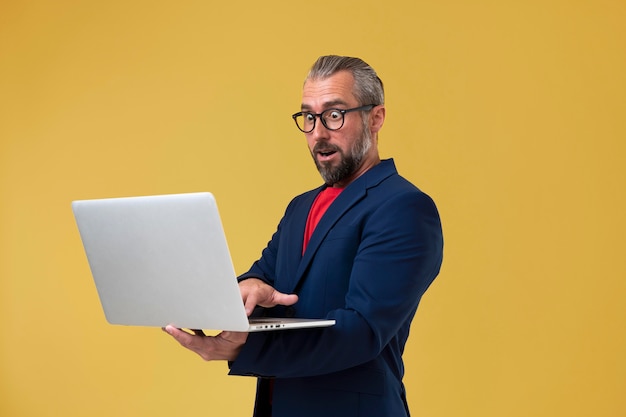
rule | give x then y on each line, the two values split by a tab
349	163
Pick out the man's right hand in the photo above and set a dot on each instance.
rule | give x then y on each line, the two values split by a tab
256	292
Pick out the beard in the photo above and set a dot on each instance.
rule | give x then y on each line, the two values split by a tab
349	162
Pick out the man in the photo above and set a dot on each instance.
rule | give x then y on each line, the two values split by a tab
361	249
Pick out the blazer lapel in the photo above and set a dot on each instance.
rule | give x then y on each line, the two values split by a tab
353	193
348	198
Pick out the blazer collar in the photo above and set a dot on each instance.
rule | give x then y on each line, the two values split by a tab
352	194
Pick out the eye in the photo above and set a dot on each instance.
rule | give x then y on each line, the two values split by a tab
309	117
333	114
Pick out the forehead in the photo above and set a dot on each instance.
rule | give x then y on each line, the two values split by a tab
336	89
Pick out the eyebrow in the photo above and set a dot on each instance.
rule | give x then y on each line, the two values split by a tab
325	105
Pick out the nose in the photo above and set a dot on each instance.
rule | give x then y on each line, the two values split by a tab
319	132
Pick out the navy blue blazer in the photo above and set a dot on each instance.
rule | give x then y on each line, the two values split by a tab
369	261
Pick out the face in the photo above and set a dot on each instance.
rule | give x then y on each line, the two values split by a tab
341	155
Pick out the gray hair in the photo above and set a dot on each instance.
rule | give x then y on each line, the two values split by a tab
368	88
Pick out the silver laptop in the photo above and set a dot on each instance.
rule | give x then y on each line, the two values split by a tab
161	260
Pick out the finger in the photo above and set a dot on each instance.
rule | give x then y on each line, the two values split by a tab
252	292
256	292
181	337
279	298
272	299
250	304
196	344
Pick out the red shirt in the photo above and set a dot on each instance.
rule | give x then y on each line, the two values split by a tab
323	200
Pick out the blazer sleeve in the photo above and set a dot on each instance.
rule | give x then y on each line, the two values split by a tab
399	254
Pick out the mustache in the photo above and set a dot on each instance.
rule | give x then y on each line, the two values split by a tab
325	147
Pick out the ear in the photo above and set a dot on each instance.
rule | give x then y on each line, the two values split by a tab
377	118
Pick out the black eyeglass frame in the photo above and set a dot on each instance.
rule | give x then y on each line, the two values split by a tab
319	115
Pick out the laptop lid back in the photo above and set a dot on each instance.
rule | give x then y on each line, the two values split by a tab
161	260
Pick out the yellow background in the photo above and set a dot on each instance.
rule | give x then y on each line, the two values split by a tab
510	114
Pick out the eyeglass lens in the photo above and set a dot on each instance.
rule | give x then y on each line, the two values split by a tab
332	119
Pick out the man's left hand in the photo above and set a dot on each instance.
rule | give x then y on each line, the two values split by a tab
224	346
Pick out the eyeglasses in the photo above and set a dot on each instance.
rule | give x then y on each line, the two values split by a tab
332	119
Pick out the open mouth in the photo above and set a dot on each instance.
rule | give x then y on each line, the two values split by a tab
325	156
325	150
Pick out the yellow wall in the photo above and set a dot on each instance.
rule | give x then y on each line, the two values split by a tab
510	114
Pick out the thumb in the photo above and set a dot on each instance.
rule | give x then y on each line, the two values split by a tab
279	298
